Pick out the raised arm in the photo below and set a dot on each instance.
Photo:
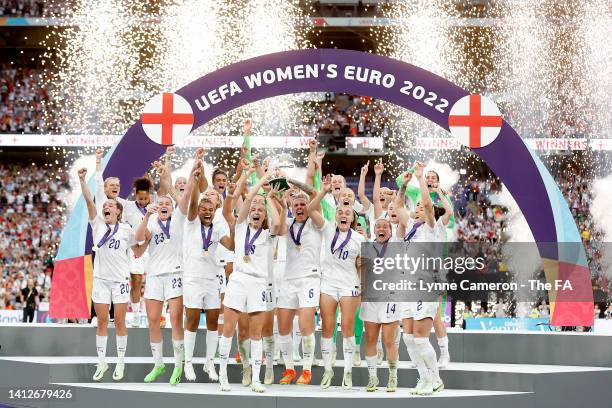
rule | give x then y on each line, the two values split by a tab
202	182
99	194
311	167
142	233
448	206
275	211
244	209
419	169
314	207
361	188
91	207
400	207
228	205
165	174
378	171
192	186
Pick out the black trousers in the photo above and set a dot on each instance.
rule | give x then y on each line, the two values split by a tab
28	314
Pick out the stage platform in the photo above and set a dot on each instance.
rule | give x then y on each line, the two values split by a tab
518	369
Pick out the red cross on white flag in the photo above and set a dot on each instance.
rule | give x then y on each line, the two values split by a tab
475	121
167	119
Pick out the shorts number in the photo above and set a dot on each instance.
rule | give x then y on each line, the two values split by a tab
390	308
355	293
114	243
311	293
266	296
343	255
221	280
177	283
159	238
419	305
124	288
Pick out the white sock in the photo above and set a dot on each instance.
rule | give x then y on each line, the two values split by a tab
392	367
190	341
225	344
268	348
348	347
443	344
326	352
158	354
256	351
276	336
371	360
121	347
212	339
179	351
244	347
428	356
297	336
409	342
136	308
101	347
286	349
308	347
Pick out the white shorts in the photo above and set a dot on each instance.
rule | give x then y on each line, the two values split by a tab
106	291
381	312
420	310
271	299
246	293
164	287
137	265
222	280
337	293
300	293
201	293
278	273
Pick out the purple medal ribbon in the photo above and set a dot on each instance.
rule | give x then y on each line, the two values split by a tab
413	231
108	235
224	194
248	243
143	210
206	237
346	240
383	249
165	228
297	240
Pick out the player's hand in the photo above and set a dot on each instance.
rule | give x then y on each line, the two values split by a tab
82	173
312	145
247	126
171	150
244	164
319	160
364	168
199	154
419	168
407	176
197	173
99	154
231	187
326	183
151	209
379	168
255	160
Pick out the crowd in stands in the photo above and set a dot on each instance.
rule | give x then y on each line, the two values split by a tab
348	115
31	220
21	8
22	99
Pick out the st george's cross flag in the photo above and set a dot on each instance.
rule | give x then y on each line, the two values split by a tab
167	119
475	121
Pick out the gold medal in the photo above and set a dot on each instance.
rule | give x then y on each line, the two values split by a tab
246	258
94	248
298	247
205	252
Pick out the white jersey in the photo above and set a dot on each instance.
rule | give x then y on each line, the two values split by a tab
166	254
303	261
132	213
338	269
197	264
112	259
261	253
